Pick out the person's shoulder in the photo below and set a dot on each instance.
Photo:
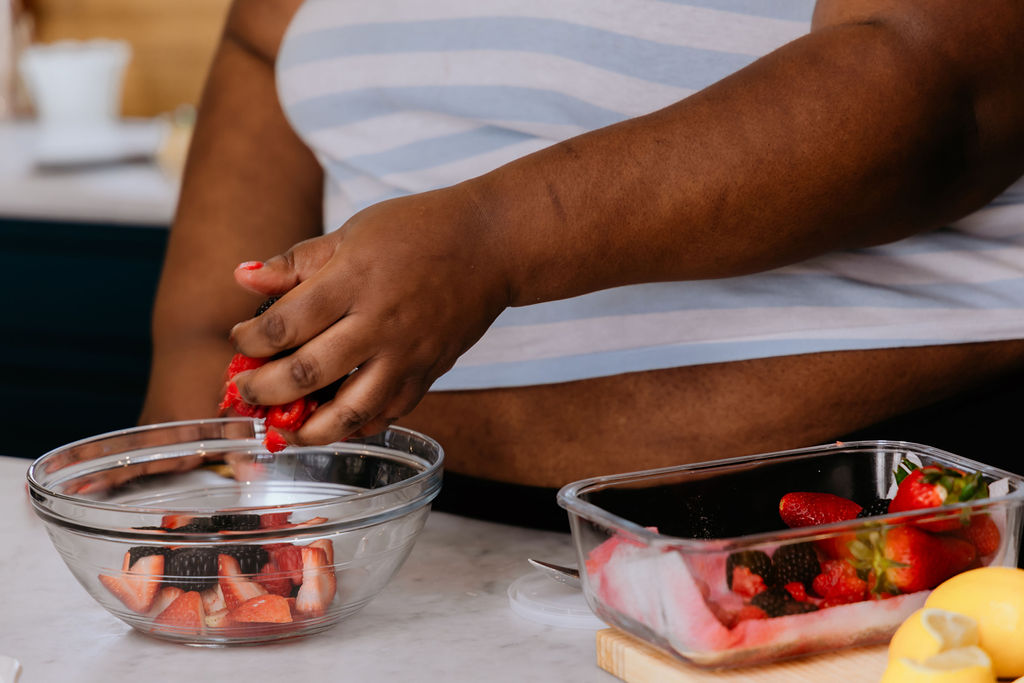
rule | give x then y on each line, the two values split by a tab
259	25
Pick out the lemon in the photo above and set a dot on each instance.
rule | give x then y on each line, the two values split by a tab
929	631
960	665
994	597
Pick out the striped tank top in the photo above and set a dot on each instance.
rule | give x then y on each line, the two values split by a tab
403	96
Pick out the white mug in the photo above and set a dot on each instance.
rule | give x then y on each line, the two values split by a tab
76	83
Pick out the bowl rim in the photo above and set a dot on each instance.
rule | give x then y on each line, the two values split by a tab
431	470
568	497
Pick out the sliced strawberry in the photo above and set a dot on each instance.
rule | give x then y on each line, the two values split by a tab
288	559
275	520
267	609
318	583
186	612
276	582
164	598
235	589
218	619
325	545
213	599
175	521
137	587
310	522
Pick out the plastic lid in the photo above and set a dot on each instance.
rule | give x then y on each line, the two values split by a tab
542	599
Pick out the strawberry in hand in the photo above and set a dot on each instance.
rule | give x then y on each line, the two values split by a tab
933	486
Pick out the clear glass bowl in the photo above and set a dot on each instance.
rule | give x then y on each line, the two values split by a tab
275	545
654	546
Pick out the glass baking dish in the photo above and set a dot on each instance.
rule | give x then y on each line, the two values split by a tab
654	547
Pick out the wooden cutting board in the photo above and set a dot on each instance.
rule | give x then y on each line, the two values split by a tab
634	661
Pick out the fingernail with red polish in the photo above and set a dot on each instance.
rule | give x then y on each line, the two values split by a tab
250	265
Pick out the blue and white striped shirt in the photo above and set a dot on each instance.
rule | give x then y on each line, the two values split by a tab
403	96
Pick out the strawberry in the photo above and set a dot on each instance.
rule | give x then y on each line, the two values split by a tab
271	578
318	583
839	584
274	520
235	589
233	400
274	441
798	591
288	559
800	509
213	599
747	572
290	416
271	609
218	618
746	583
325	545
982	533
906	559
186	612
165	597
933	486
175	521
750	612
137	587
240	363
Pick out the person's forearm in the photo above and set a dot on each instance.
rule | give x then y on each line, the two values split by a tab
251	189
853	135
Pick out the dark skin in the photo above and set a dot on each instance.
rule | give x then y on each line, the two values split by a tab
886	120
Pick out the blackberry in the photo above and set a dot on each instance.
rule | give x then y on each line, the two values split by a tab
250	557
141	551
795	562
777	602
265	305
198	525
879	506
235	522
756	561
191	569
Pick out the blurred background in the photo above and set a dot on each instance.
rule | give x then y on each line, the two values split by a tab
97	100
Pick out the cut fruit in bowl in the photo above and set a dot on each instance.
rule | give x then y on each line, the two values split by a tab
192	532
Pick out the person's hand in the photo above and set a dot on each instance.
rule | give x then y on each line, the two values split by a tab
391	300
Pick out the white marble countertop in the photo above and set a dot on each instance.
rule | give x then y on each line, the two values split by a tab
444	617
135	192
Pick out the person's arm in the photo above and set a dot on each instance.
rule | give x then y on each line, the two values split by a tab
887	119
250	189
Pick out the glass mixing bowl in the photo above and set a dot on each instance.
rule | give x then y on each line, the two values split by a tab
192	532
